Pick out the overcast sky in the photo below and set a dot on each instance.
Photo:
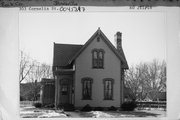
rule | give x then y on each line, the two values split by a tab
143	33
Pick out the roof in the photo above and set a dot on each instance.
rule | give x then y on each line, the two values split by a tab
65	54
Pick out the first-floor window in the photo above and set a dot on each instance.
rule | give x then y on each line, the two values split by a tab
108	88
86	88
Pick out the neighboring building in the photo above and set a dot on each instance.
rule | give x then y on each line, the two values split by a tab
92	73
154	96
160	96
47	91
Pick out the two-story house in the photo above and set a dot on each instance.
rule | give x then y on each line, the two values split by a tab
92	73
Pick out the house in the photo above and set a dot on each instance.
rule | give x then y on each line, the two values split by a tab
92	73
152	96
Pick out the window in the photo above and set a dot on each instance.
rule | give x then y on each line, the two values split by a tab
108	88
98	58
95	59
86	88
64	90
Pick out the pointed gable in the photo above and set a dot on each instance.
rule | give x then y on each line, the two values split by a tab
118	53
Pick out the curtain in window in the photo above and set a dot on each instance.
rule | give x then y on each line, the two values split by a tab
108	89
87	84
98	58
95	59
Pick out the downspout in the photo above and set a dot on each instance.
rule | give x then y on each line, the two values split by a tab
122	85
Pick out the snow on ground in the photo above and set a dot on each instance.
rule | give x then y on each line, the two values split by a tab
32	112
52	114
100	114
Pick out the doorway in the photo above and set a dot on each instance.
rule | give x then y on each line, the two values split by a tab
65	91
64	94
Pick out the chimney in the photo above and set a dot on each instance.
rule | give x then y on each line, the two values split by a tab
118	40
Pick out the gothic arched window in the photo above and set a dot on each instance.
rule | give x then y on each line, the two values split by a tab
97	58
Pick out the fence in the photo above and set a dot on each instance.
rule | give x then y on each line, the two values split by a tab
153	104
28	103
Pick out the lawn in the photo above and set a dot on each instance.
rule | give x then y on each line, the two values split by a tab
32	112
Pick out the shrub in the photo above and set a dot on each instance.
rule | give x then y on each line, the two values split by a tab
128	106
98	109
37	105
66	107
86	108
49	106
112	108
69	107
60	106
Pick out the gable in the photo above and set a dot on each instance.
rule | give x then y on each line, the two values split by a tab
99	33
86	56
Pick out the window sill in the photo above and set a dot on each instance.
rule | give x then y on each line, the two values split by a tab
97	68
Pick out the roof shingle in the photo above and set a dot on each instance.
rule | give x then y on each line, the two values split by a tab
63	53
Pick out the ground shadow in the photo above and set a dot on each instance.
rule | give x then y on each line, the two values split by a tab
115	114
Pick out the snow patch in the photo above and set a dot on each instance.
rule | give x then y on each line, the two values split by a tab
52	114
99	114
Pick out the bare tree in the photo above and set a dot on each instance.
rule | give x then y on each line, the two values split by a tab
157	78
146	79
46	71
38	72
32	72
162	76
26	65
132	80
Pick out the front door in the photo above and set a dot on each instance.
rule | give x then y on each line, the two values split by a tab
64	93
65	89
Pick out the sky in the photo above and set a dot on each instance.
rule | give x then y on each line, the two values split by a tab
143	33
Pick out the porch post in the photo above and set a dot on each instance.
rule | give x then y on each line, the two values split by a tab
56	91
42	93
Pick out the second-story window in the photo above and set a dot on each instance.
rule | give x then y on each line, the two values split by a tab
97	58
